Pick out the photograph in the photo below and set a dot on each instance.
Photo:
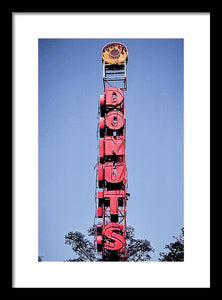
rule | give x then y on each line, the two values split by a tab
111	165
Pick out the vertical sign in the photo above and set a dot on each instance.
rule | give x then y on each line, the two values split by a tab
111	188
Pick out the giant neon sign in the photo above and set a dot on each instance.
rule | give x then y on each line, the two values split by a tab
111	192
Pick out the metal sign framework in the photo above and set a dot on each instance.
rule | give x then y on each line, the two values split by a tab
111	177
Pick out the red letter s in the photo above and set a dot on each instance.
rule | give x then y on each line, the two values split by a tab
118	240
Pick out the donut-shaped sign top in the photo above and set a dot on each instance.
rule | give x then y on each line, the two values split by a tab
114	53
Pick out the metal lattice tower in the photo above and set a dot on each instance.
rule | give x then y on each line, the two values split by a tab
111	175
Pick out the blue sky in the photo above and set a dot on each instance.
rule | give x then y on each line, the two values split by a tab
70	82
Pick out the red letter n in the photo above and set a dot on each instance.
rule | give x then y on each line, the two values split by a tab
114	145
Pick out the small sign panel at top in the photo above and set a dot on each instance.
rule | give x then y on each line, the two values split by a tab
114	53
